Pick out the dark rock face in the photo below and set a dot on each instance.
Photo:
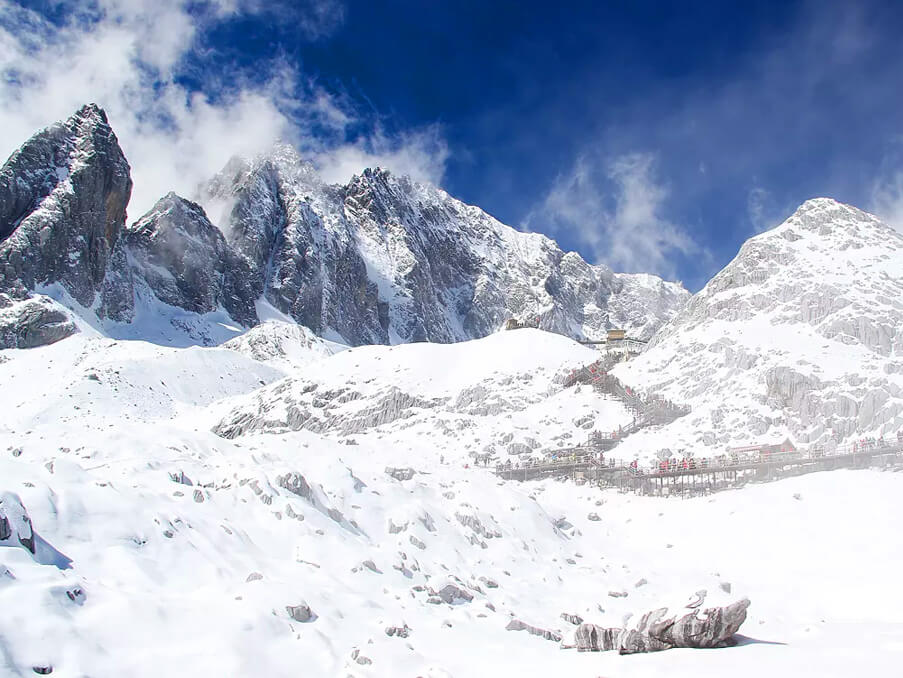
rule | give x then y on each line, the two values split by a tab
182	259
62	207
32	322
657	631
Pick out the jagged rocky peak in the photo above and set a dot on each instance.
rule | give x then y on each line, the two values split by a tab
385	259
183	260
63	197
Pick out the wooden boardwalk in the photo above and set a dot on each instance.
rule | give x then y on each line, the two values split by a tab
583	464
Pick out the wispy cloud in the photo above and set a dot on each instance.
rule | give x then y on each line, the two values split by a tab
615	209
887	187
127	56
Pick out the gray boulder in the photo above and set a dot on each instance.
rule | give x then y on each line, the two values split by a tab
35	321
301	613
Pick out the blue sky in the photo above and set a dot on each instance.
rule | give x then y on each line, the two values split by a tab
651	136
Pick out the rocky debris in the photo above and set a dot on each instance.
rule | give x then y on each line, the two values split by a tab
725	586
295	483
395	529
417	542
617	594
198	496
574	619
489	583
656	631
77	595
474	523
398	631
43	669
359	658
370	565
518	625
180	478
453	594
640	582
593	517
301	612
254	576
563	524
515	449
15	524
400	473
36	321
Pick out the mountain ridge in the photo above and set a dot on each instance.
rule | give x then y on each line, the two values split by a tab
382	259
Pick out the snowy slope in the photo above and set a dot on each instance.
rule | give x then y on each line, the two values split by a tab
798	336
191	553
486	395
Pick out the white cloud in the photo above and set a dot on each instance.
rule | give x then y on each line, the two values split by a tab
758	202
615	210
420	154
125	56
887	187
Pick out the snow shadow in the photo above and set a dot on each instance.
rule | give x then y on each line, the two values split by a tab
45	554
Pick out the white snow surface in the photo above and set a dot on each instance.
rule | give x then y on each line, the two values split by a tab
186	551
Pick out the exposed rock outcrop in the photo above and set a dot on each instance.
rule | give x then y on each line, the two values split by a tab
32	322
656	631
63	197
518	625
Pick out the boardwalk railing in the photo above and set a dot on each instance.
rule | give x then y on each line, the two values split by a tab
705	472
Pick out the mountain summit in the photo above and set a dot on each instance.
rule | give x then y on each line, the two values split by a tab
800	335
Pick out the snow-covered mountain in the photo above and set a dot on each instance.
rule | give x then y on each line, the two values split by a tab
801	335
380	260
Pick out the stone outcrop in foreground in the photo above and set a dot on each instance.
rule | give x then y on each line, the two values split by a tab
657	631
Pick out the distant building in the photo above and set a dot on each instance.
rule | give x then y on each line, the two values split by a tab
764	448
515	324
617	335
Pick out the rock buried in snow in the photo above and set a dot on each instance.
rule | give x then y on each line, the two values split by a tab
618	594
518	625
400	473
452	594
300	613
657	631
15	525
398	631
295	483
574	619
594	517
